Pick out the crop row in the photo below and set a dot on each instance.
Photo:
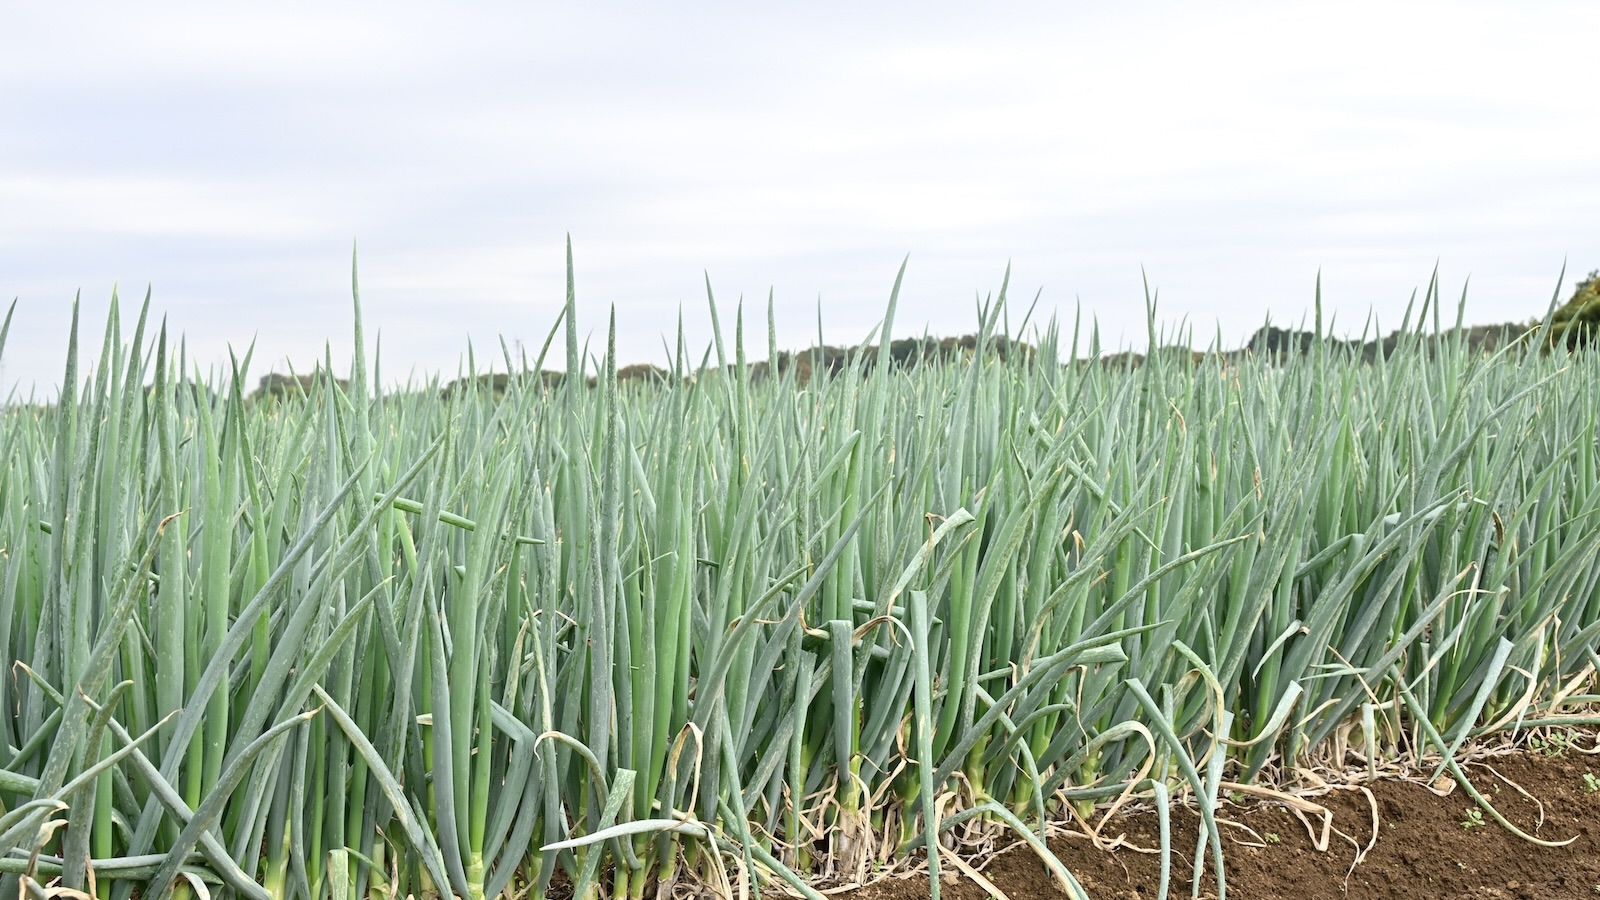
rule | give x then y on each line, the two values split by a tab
753	632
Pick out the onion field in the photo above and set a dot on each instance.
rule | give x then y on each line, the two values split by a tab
731	631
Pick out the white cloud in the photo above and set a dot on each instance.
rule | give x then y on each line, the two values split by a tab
66	207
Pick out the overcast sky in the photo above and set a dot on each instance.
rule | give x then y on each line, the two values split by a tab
228	159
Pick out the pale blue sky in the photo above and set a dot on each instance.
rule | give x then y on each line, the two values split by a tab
228	158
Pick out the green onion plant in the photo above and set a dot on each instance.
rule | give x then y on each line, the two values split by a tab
758	625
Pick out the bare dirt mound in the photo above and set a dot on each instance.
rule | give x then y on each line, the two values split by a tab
1425	846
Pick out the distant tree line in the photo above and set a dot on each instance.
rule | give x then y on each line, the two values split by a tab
1577	321
1573	325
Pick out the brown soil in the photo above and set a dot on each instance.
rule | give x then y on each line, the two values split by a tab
1426	846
